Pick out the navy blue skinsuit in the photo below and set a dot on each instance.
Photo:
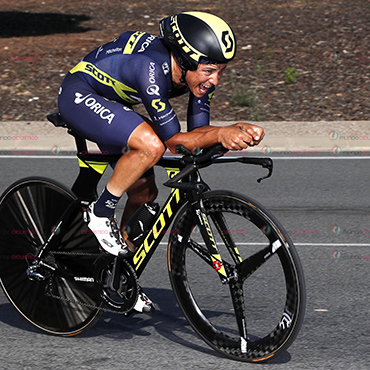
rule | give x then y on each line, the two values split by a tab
97	96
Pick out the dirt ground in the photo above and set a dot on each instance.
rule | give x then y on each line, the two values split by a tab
299	60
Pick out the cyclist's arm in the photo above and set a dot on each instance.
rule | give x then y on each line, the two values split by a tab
153	89
201	134
235	137
199	110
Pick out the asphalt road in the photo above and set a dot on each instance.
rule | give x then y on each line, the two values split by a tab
324	205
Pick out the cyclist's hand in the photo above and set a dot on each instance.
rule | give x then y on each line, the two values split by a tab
240	136
256	132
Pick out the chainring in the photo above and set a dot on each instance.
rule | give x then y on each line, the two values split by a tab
123	299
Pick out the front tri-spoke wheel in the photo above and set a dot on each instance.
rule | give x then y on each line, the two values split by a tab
29	211
256	312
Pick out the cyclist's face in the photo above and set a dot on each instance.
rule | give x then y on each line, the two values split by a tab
205	77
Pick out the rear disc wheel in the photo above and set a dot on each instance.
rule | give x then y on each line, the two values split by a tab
29	211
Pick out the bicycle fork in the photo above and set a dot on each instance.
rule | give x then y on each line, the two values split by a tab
207	234
227	274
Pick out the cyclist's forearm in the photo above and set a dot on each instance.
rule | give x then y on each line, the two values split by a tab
201	137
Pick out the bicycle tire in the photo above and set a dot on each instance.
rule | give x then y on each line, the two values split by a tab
274	294
29	209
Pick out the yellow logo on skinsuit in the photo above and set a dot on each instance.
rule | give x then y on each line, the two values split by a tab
210	96
158	105
120	88
131	43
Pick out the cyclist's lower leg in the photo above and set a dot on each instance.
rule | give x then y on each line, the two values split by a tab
142	191
145	150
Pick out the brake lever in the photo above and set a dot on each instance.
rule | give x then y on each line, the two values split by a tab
267	163
263	162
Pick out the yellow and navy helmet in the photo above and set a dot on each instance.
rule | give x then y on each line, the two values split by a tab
198	37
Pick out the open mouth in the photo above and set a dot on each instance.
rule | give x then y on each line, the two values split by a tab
204	88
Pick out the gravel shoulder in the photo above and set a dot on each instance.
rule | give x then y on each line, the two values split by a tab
297	60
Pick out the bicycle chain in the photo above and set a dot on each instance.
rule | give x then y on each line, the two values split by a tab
105	309
76	253
49	294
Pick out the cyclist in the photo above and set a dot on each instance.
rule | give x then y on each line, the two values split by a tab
97	97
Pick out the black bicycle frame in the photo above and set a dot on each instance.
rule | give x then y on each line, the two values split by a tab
186	184
174	202
189	189
164	218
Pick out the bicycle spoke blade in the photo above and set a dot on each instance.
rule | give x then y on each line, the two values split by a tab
237	296
253	263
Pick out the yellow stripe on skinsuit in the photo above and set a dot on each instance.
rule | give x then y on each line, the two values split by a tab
132	41
105	79
96	166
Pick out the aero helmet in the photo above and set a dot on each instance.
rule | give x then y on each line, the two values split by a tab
198	37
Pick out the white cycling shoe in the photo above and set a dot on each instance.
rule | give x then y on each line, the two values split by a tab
108	234
110	239
144	304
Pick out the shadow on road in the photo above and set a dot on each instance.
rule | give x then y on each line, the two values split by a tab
18	24
167	320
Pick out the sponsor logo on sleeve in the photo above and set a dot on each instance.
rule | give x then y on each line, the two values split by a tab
152	72
153	90
158	105
99	51
146	43
115	50
165	68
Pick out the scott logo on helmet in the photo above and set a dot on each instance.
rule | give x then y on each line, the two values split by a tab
179	38
228	41
96	107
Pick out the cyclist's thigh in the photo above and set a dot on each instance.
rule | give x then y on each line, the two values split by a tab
97	119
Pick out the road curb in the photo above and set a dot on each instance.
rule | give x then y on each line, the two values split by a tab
289	137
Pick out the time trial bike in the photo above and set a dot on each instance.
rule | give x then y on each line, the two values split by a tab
233	268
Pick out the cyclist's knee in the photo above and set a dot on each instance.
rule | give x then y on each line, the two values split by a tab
147	143
155	149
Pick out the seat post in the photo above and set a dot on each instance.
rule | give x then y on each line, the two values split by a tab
80	142
85	185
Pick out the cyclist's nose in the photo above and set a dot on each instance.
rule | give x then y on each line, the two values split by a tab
215	78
